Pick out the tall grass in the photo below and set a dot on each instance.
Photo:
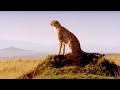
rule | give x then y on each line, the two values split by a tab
10	69
114	58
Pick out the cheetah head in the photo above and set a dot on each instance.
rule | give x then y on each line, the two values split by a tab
55	23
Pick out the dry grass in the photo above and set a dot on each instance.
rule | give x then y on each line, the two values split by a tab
114	58
10	69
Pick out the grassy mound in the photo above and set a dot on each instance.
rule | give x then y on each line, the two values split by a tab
70	67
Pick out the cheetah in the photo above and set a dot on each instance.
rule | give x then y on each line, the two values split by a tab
66	37
77	54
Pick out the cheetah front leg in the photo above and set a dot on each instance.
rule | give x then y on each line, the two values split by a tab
60	47
63	49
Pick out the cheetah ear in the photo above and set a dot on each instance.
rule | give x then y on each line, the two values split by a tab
56	21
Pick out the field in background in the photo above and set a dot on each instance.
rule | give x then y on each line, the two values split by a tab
11	69
113	58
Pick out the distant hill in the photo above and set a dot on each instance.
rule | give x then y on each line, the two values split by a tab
22	44
12	49
13	52
53	48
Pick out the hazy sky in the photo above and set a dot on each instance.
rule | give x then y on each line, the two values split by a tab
96	30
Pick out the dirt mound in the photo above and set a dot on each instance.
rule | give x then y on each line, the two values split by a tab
88	63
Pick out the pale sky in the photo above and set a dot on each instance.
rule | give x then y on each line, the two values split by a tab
96	30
